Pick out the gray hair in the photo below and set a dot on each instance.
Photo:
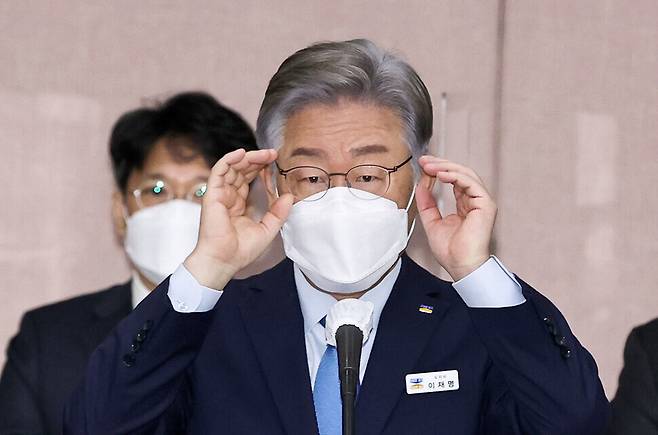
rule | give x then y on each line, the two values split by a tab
358	70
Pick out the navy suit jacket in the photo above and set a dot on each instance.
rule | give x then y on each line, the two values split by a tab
48	356
46	360
635	406
521	371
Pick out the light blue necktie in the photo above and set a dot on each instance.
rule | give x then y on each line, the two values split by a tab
326	394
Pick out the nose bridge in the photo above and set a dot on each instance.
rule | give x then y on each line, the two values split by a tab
179	191
338	179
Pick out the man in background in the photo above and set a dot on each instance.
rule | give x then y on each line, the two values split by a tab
635	406
161	158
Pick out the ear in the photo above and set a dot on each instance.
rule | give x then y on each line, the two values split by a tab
119	215
268	181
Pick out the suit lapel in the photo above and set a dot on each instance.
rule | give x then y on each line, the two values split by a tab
402	335
111	307
273	319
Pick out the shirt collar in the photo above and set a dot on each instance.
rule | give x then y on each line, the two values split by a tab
137	289
316	304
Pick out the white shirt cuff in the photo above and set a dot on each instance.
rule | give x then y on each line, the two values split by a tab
188	296
490	286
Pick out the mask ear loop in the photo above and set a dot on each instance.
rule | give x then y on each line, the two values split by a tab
413	223
411	198
124	212
274	183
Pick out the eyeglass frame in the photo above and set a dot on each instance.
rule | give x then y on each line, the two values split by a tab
137	194
284	173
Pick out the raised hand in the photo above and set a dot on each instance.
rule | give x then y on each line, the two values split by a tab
228	239
460	241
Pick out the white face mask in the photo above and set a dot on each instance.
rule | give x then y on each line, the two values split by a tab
159	238
345	244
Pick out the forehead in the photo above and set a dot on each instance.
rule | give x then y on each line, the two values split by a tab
344	130
168	152
173	162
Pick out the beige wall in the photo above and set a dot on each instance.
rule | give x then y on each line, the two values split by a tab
552	102
578	164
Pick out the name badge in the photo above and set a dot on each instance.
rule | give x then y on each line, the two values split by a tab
432	382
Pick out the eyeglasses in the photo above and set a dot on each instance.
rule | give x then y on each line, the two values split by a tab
154	192
363	181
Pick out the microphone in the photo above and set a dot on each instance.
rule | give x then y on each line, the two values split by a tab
347	327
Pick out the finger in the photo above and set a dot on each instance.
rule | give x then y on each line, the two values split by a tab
251	175
226	196
427	208
277	215
237	179
255	160
223	164
454	167
465	203
427	158
242	161
226	170
261	157
240	179
230	176
243	191
463	182
216	180
253	163
433	166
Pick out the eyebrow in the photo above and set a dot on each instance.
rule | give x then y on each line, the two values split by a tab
356	152
307	152
159	176
369	149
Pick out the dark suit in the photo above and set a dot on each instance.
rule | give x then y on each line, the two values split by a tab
48	356
247	365
635	406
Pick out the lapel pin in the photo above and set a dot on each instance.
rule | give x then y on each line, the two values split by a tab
427	309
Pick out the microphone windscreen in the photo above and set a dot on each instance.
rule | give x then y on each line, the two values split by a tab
349	312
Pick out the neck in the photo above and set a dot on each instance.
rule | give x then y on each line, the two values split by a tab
354	295
147	283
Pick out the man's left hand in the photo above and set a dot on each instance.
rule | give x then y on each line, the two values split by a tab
459	241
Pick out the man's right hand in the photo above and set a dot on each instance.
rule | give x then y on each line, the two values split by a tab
228	239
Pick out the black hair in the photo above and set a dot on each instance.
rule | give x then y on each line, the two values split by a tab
194	121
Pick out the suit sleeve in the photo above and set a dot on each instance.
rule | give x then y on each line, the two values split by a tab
541	381
635	406
136	374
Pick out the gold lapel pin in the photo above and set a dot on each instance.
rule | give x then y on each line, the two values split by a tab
427	309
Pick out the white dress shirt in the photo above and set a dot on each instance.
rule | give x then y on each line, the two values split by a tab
138	290
489	286
315	305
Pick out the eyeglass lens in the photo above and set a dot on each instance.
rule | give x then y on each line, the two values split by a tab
154	192
362	181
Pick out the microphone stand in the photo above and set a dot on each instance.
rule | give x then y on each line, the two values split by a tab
349	340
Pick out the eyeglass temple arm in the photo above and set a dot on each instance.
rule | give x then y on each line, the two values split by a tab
395	168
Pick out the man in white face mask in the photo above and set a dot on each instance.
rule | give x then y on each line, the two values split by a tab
161	157
345	126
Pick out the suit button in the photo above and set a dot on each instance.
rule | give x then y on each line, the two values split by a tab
129	359
140	337
565	352
135	346
560	340
147	325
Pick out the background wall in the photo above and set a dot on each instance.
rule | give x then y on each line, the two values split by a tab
553	102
